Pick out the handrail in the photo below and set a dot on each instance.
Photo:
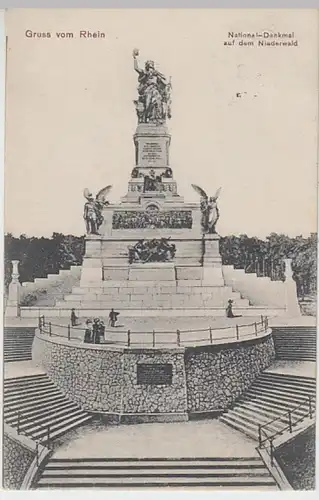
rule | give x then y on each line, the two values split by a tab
262	322
289	413
235	332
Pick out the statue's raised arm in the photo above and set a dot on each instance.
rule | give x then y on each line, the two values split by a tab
135	54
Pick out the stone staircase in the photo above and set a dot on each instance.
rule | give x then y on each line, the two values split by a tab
17	343
216	473
295	342
269	397
164	294
46	291
33	403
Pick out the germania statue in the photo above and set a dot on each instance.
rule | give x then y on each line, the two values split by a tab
154	100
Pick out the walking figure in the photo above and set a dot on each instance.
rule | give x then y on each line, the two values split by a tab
74	318
229	309
113	317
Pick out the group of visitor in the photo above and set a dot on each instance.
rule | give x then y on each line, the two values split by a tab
95	329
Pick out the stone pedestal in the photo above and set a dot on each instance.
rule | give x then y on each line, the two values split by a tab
153	272
12	307
212	262
151	146
292	304
92	273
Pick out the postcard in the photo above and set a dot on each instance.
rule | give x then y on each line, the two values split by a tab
160	249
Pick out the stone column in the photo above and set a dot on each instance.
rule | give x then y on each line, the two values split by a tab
212	262
12	308
291	299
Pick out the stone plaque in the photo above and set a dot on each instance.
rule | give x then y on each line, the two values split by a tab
152	151
154	374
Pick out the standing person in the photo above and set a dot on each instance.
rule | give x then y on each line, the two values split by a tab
88	332
113	317
229	309
102	330
74	318
96	331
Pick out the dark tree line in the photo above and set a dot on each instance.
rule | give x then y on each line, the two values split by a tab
265	257
40	256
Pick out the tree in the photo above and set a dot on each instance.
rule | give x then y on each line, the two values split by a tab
39	257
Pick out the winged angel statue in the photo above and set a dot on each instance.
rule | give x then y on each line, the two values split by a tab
93	209
209	209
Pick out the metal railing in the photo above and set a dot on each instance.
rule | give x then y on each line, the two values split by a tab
287	419
44	441
154	338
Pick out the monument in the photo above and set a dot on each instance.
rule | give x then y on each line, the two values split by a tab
152	237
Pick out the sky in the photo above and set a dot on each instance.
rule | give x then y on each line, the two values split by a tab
243	118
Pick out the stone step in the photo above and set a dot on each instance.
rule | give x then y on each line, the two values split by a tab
29	405
39	413
292	379
141	288
12	349
126	295
147	472
18	394
119	463
157	283
254	418
146	304
56	422
286	388
240	425
25	379
8	359
269	410
21	387
289	397
272	401
44	397
50	418
66	426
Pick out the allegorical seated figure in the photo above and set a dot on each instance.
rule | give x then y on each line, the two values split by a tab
152	251
152	182
166	250
138	252
168	173
135	173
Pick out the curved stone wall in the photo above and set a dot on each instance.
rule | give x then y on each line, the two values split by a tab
107	379
216	376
